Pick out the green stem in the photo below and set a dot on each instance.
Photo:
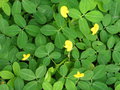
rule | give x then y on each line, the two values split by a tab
69	55
54	62
77	81
58	65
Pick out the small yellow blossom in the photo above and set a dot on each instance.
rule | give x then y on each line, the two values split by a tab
95	29
68	45
79	75
64	11
25	56
2	82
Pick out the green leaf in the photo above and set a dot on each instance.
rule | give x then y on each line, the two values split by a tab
48	30
3	63
112	29
59	20
4	87
117	24
29	6
117	87
16	68
6	74
102	6
3	25
98	45
41	52
63	70
112	68
111	80
40	18
16	8
29	47
48	77
6	8
72	4
70	85
59	40
12	54
27	74
23	65
32	30
111	42
116	56
19	20
12	30
117	47
40	71
94	16
40	40
46	61
75	53
37	2
81	45
8	68
31	86
32	64
87	53
88	75
104	36
18	83
104	57
47	11
83	26
74	13
55	55
4	1
19	55
91	37
99	72
116	53
114	11
86	5
22	39
100	86
49	47
77	64
83	85
47	86
58	85
0	16
70	33
107	19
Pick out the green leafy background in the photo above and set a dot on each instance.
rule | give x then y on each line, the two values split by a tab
37	27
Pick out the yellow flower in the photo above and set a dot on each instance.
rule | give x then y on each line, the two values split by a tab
25	56
64	11
95	29
79	75
68	45
2	82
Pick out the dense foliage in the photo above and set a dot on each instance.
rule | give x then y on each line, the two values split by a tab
59	44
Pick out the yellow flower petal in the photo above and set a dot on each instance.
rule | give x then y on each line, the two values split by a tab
79	75
25	56
2	82
68	45
64	11
95	29
28	55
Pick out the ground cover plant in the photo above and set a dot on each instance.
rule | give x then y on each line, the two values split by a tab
59	44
